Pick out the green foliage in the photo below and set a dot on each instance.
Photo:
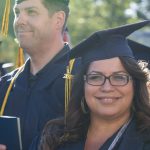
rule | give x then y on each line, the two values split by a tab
8	50
88	16
144	9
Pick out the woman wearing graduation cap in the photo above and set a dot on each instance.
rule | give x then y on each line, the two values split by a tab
109	107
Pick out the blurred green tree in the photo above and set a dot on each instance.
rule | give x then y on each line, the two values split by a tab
143	10
8	50
89	15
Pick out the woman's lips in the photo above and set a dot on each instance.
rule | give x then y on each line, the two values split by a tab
107	100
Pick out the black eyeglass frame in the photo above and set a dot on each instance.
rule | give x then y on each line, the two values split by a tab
128	78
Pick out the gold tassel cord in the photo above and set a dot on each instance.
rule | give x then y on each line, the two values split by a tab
68	81
9	89
4	32
20	58
5	20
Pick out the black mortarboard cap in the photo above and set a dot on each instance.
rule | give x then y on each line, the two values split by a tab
106	44
140	51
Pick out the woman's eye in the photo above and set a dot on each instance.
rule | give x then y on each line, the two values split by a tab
119	77
95	77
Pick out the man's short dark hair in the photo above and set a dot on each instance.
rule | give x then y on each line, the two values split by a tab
57	5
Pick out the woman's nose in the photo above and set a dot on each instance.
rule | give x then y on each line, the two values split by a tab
107	86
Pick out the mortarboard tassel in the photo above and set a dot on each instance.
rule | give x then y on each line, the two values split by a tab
68	79
5	20
20	58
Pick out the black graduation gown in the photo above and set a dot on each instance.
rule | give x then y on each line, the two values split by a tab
130	140
39	102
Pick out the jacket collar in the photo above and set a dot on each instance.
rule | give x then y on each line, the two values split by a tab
48	74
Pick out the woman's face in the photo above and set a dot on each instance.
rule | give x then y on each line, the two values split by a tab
109	101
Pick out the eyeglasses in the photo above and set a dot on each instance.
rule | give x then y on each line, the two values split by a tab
98	79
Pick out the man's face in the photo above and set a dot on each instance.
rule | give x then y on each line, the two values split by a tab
33	25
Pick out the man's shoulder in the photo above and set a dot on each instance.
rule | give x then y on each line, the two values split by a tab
8	77
5	82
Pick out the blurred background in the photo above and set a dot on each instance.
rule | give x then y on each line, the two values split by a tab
87	16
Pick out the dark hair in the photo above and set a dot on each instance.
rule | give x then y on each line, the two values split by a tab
141	101
54	6
78	122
